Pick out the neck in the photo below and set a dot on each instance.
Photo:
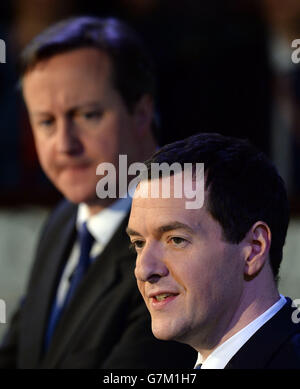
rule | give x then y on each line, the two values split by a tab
98	206
255	300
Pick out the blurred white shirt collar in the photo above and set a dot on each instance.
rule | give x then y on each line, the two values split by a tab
104	224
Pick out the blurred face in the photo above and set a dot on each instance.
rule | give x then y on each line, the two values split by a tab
79	120
190	278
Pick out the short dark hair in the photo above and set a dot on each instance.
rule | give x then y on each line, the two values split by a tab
243	186
133	69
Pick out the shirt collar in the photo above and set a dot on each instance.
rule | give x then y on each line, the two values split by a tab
103	224
219	358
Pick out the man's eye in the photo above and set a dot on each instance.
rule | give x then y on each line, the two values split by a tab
45	122
92	115
136	245
178	241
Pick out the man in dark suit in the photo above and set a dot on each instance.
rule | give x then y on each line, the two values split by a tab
209	248
89	88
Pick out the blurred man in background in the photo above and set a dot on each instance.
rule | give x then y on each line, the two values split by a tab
89	88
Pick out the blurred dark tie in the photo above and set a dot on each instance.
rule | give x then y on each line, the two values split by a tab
86	241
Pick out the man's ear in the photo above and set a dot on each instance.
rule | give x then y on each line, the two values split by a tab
143	115
258	242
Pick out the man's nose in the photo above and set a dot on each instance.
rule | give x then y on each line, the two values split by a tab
68	141
150	265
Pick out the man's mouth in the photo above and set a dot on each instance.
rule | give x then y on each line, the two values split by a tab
162	296
160	300
72	165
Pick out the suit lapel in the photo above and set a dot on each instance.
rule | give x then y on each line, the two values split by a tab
98	280
48	270
258	350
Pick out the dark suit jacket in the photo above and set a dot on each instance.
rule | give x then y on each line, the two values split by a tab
276	345
106	324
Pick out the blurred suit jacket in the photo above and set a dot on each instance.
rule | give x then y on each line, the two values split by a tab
106	324
276	345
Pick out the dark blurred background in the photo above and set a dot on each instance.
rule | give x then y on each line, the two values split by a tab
222	66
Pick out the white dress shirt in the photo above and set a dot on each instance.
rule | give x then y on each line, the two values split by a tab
219	358
102	226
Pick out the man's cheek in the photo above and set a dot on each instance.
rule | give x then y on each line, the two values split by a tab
140	287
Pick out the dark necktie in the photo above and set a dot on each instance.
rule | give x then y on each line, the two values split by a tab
86	241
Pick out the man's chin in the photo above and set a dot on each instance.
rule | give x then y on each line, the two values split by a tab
94	204
163	332
78	196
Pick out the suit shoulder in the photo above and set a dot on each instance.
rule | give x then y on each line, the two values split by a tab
288	355
63	214
57	218
63	211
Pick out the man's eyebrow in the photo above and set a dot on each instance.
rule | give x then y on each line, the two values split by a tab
130	232
87	104
164	228
39	113
175	226
83	105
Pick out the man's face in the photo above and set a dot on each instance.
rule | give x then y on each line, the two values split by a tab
78	119
189	277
